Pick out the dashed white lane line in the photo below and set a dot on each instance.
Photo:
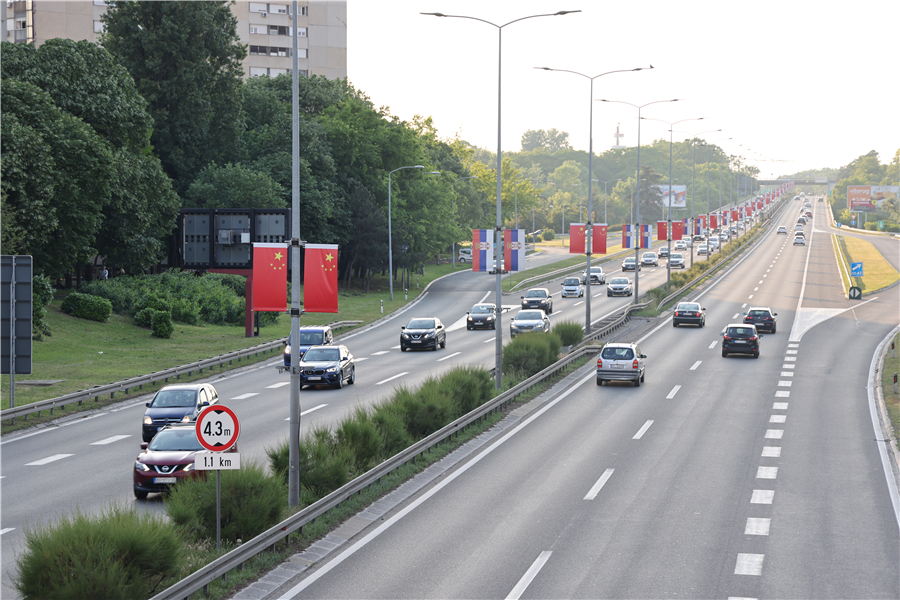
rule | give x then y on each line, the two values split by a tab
361	358
785	383
757	526
579	303
309	410
793	358
793	345
529	575
749	564
489	340
779	406
47	460
760	281
788	366
782	394
380	353
744	305
762	497
110	440
787	373
642	430
790	352
696	364
450	356
245	396
774	434
275	386
736	315
756	289
392	378
673	392
397	347
713	345
778	419
771	452
767	472
7	530
600	483
750	297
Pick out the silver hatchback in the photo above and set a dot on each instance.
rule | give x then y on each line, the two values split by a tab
620	362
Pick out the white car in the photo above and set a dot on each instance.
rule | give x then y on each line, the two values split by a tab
676	260
465	255
572	288
702	249
680	245
529	320
650	259
799	240
713	242
782	229
597	276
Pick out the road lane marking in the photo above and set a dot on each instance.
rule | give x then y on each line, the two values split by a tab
451	356
380	353
744	305
673	392
529	575
756	526
696	364
278	385
750	297
642	430
762	497
395	347
736	315
749	564
713	345
794	358
779	406
793	345
392	378
783	394
791	352
7	530
245	396
578	303
788	366
600	483
787	373
756	289
778	419
760	281
785	383
49	459
489	340
774	434
309	410
110	440
771	452
766	472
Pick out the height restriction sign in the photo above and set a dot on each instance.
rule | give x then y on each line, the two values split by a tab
217	428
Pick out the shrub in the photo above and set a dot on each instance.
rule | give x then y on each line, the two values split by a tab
185	310
118	554
530	352
389	421
147	306
42	295
84	306
324	466
251	503
569	332
360	434
161	324
469	387
548	235
425	411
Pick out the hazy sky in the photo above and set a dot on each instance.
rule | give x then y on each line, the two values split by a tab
795	84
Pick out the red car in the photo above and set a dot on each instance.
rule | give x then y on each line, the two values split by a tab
167	458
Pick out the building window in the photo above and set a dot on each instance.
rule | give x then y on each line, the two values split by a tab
100	3
99	27
258	50
303	73
279	30
258	71
258	7
301	10
301	32
258	29
278	9
301	52
277	72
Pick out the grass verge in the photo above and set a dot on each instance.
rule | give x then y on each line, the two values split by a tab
877	272
891	400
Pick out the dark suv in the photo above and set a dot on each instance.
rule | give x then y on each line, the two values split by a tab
538	298
177	403
739	338
762	317
310	335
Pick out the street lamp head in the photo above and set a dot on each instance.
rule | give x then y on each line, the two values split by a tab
434	14
565	12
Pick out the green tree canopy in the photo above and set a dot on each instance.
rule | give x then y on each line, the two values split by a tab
550	139
234	186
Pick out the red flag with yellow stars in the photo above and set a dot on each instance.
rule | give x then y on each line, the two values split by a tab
268	292
320	278
576	238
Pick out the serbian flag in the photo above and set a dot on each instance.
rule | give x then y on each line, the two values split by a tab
724	218
713	221
268	292
734	214
662	230
628	236
646	237
482	249
320	278
513	249
598	239
576	238
677	230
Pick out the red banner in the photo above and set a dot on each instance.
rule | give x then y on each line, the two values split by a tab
320	278
734	215
677	230
576	238
598	239
269	289
712	221
662	230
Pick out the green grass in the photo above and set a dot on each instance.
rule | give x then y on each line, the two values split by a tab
877	272
891	400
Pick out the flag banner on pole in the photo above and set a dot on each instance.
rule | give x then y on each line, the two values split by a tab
269	288
646	237
701	224
576	238
482	249
627	236
320	278
713	221
513	249
662	230
724	218
759	205
734	215
677	230
598	238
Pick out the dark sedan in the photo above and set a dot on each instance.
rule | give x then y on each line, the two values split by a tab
689	313
176	404
482	317
327	365
762	317
423	332
739	338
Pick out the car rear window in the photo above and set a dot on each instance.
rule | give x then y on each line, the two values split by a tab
759	313
617	353
688	306
740	331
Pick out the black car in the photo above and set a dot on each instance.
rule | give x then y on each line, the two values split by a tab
689	313
327	365
538	298
423	332
310	335
762	317
482	316
739	338
179	403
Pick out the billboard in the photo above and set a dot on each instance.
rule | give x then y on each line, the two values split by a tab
869	198
679	195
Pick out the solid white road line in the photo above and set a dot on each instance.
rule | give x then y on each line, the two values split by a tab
49	459
392	378
756	526
771	452
245	396
450	356
673	392
529	575
749	564
696	364
642	430
762	497
600	483
278	385
110	440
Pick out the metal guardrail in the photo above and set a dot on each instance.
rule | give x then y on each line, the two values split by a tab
138	382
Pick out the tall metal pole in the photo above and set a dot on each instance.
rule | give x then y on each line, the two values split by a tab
693	162
294	429
390	244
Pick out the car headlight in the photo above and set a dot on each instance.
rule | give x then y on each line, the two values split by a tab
189	467
428	336
148	420
287	349
405	336
140	466
489	319
331	370
186	419
470	319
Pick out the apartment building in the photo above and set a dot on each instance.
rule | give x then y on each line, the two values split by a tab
265	27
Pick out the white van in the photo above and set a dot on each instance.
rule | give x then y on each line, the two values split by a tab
465	255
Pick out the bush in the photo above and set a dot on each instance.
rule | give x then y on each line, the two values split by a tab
42	295
548	235
360	434
569	332
185	310
147	307
528	353
119	554
161	324
84	306
389	421
251	503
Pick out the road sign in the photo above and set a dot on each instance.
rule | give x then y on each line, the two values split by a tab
217	461
217	428
839	225
856	269
880	224
855	293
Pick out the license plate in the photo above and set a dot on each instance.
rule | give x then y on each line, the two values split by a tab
415	341
740	341
313	378
164	480
618	366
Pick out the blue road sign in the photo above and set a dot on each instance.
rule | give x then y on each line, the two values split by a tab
856	269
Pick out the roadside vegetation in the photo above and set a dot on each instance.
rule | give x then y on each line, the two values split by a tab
889	368
878	273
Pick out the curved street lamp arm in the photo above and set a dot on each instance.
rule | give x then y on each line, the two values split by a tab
562	12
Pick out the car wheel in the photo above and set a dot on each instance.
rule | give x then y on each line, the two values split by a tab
637	382
402	348
724	354
756	355
468	328
340	381
774	328
352	379
608	295
140	495
630	293
642	376
674	323
599	381
703	323
493	327
444	343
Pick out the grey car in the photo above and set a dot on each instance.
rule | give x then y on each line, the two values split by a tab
619	286
621	362
676	260
529	320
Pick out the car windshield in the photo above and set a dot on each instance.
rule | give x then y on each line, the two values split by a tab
530	315
322	355
482	309
596	269
630	259
310	338
184	438
619	281
688	306
649	255
617	353
740	331
535	294
421	324
571	281
676	256
174	398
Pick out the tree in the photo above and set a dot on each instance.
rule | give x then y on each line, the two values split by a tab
234	186
185	58
551	139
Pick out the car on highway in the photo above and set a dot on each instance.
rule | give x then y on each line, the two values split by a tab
680	245
327	365
482	316
781	229
723	237
698	239
630	264
620	361
649	259
798	227
619	286
820	199
177	403
676	260
713	243
538	298
572	288
465	255
801	220
527	321
702	249
762	317
168	458
800	234
808	215
663	252
310	335
689	313
597	276
423	332
740	338
799	240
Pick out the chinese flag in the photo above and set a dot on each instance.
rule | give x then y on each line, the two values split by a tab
598	239
269	289
662	230
576	238
677	230
320	282
734	215
712	221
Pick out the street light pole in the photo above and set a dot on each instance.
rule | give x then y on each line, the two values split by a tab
390	246
605	196
498	236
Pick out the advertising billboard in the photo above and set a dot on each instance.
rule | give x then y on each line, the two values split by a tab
679	195
869	198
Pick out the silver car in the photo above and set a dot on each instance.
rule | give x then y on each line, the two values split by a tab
619	286
572	288
676	260
620	362
529	320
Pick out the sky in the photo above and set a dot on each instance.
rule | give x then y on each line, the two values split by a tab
793	84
